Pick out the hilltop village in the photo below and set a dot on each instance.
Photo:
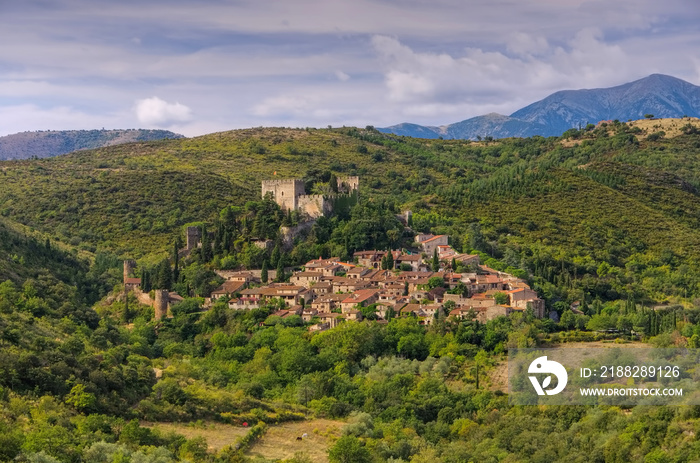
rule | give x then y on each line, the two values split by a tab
421	281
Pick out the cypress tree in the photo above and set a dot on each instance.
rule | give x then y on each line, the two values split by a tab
454	264
176	260
389	261
263	272
145	281
126	315
280	271
275	257
165	276
206	246
436	261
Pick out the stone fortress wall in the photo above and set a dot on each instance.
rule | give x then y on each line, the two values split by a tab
285	192
313	205
348	184
290	194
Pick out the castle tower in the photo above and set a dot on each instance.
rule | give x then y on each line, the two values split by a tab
194	236
161	304
348	184
284	192
129	266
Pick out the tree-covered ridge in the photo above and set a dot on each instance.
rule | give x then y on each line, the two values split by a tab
558	208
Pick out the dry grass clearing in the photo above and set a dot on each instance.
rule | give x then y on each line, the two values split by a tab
604	344
672	126
280	442
498	377
218	435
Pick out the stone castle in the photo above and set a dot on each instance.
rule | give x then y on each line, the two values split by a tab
290	194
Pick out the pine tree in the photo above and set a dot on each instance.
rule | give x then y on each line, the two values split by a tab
263	272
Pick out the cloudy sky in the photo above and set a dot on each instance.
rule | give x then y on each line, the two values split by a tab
212	65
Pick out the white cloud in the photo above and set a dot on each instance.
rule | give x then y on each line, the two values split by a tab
282	106
157	112
425	81
524	44
20	118
429	62
343	77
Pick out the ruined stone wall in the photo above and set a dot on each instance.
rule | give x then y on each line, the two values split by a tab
313	205
129	266
348	184
194	236
290	233
143	298
161	304
285	192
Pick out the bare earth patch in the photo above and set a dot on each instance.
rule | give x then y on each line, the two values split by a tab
499	377
218	435
280	442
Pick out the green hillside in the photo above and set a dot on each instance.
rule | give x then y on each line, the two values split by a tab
613	197
606	217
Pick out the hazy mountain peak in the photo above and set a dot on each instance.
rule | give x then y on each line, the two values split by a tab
657	94
49	143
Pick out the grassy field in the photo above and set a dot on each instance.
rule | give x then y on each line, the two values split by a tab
280	442
218	435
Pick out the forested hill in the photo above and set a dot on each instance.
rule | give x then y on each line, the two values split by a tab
592	211
608	216
48	143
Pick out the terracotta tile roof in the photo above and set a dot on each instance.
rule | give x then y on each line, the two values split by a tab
360	296
229	287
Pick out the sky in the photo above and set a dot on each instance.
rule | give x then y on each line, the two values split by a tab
214	65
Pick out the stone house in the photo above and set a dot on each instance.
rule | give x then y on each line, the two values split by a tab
227	289
429	245
363	298
306	279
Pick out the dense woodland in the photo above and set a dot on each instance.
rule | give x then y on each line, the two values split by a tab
609	221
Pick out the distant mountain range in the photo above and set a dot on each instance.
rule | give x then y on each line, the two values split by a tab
44	144
657	94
